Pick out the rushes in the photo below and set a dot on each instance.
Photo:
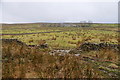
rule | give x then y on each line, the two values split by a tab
108	55
33	61
48	66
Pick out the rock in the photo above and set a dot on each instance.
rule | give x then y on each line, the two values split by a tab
93	46
89	47
77	54
60	52
32	45
75	51
43	45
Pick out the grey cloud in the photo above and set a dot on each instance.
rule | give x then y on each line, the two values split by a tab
59	12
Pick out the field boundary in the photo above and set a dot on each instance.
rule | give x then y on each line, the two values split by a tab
49	32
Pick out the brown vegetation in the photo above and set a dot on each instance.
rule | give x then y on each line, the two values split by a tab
24	61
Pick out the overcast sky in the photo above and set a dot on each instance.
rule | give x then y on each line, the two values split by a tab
59	11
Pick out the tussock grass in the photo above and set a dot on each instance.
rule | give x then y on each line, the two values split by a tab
22	61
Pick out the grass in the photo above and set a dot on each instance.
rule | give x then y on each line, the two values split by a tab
65	39
23	62
44	65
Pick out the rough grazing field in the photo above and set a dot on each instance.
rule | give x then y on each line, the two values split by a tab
51	51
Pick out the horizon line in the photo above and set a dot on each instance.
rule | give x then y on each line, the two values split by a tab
56	22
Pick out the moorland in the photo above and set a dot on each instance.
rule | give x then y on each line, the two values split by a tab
60	50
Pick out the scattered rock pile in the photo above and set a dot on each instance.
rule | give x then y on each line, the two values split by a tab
14	46
11	41
39	46
93	46
86	47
